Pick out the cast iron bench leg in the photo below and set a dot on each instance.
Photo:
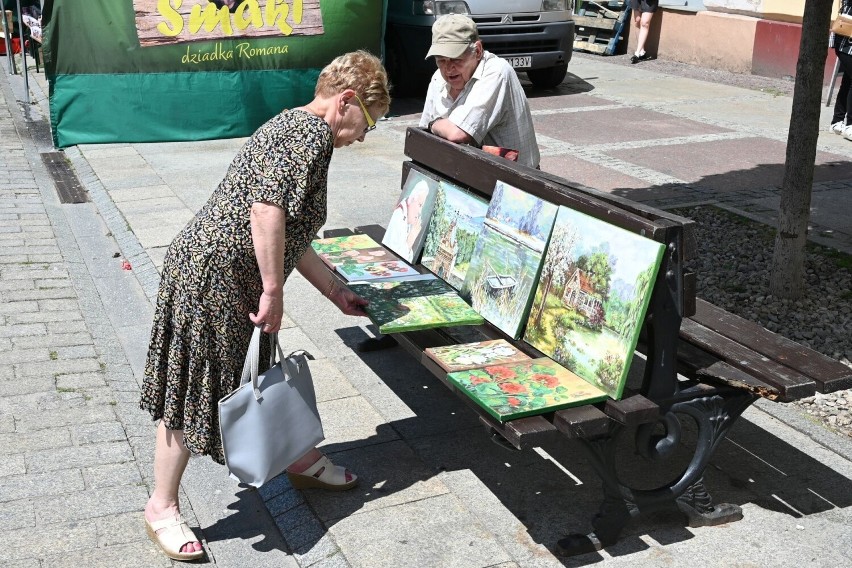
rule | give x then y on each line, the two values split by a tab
697	504
714	415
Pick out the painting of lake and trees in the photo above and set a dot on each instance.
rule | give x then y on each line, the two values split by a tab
456	222
507	257
594	289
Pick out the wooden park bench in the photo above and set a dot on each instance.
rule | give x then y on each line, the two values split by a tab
697	360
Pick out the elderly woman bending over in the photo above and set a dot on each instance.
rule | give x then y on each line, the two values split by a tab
224	273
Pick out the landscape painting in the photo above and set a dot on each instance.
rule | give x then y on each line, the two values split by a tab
507	257
456	222
406	229
526	388
410	303
463	356
375	270
588	309
334	246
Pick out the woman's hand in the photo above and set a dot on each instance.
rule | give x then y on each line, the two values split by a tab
270	310
348	301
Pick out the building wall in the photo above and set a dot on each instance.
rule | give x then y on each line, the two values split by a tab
732	42
718	41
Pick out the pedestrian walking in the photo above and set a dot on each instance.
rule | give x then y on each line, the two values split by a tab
843	49
643	13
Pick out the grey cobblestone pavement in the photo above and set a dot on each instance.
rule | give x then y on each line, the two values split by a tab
75	450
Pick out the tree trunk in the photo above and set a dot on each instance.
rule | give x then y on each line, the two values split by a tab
543	300
787	275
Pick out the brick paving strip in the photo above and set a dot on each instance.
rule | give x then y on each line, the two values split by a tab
71	488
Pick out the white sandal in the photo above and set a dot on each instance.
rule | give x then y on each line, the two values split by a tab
171	534
333	477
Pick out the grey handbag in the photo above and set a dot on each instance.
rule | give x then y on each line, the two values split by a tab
271	420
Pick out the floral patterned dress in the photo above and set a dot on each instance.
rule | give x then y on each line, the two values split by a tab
211	281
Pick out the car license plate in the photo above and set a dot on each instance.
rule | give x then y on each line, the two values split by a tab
520	62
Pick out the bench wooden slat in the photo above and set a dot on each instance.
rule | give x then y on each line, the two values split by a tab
375	232
699	365
332	233
724	373
830	375
791	384
690	243
585	422
633	410
521	432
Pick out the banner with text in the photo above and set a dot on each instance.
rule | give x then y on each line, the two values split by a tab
169	70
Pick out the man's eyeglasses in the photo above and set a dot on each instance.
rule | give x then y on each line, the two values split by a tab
371	124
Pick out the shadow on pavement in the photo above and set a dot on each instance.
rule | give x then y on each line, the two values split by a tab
555	491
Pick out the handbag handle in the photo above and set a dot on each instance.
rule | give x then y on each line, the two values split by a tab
253	358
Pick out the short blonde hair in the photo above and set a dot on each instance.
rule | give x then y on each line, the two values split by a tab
360	71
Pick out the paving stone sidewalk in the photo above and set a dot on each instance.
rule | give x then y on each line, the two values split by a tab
71	487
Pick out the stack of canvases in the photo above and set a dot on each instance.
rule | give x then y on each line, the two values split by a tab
572	286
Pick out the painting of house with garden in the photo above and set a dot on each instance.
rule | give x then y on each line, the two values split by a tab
592	295
507	258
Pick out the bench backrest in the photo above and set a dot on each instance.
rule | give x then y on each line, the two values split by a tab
673	295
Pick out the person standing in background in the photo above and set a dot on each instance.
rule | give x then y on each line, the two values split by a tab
843	49
643	13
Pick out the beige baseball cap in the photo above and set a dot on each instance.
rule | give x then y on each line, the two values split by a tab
451	34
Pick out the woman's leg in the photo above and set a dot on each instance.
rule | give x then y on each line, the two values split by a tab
644	28
642	21
170	459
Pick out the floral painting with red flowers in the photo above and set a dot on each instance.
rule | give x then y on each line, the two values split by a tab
526	388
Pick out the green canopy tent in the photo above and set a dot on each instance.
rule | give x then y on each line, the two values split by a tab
173	70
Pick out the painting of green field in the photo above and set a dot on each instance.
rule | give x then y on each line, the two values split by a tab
341	244
342	259
508	254
592	295
525	388
414	302
451	237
